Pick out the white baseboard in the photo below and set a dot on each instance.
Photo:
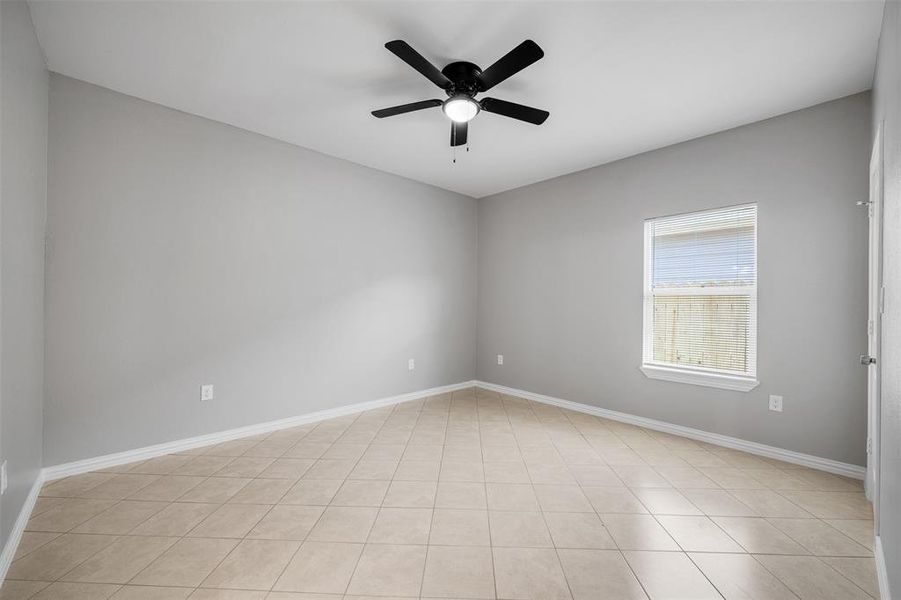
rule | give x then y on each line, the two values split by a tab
881	571
807	460
15	536
121	458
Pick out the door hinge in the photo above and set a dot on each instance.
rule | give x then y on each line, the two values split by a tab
869	445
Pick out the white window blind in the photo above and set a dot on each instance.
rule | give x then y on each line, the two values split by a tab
700	313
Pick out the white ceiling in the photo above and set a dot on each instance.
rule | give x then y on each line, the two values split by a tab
618	78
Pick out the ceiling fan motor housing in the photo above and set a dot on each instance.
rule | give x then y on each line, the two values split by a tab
464	78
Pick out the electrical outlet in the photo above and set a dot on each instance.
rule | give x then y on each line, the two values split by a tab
500	359
411	364
3	480
206	392
776	403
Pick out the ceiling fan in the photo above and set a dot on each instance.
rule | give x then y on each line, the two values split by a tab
462	81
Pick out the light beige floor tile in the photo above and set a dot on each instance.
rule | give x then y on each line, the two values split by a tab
121	560
186	563
121	518
758	536
599	575
550	474
508	496
830	505
417	470
21	590
262	491
460	527
828	482
215	490
203	466
810	578
458	572
529	574
177	519
72	487
670	575
430	452
361	493
698	534
287	522
860	571
252	565
76	591
374	469
305	449
402	526
731	478
638	532
578	530
768	503
455	494
562	498
44	504
67	514
719	503
167	488
519	530
287	468
378	451
595	476
740	577
635	476
461	471
666	501
120	486
209	594
325	468
322	567
32	540
269	449
56	558
506	472
161	465
137	592
820	538
344	524
386	570
312	492
344	451
411	494
612	500
230	521
860	531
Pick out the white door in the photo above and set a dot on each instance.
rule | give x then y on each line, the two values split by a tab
874	323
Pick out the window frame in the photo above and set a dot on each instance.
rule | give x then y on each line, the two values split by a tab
717	378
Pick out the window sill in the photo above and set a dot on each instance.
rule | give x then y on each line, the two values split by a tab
717	380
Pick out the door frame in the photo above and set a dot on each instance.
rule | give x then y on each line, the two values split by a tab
875	301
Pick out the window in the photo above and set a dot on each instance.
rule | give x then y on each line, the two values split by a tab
700	298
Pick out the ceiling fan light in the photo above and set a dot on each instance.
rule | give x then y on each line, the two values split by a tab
460	109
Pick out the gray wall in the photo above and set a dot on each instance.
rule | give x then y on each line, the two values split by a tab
560	279
183	251
23	195
887	108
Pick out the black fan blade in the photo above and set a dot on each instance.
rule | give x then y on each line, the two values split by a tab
458	133
406	53
511	63
514	111
405	108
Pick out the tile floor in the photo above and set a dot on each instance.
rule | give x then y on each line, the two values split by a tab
469	495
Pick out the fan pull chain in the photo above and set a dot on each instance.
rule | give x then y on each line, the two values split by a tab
455	155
